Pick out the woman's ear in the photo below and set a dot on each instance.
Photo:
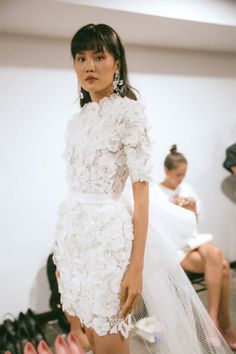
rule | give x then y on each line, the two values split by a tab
166	171
117	66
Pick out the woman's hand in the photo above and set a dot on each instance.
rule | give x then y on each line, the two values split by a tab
191	204
130	292
185	202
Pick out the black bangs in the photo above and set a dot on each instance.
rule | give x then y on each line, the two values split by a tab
96	38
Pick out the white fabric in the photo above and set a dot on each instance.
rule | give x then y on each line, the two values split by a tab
183	190
95	198
106	142
178	224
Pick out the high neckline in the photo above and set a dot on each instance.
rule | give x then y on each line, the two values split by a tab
101	101
105	98
169	189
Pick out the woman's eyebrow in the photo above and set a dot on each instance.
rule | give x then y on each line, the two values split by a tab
94	51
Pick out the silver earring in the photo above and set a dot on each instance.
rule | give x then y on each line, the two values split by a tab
117	82
81	95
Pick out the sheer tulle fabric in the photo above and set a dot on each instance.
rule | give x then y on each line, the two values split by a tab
179	322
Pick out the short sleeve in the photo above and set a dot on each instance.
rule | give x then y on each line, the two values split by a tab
69	137
137	142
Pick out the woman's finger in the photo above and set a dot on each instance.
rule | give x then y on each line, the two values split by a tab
135	303
127	309
123	294
128	306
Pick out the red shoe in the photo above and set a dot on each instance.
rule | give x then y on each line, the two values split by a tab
61	346
74	344
29	348
43	348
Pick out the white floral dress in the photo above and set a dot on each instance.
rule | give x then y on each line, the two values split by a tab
105	143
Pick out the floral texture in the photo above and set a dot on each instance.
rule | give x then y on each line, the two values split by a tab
105	142
92	252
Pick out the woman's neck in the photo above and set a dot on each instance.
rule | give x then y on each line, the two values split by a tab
168	185
97	96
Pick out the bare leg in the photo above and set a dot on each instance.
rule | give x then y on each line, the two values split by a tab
214	277
111	344
224	318
76	327
224	300
208	259
90	335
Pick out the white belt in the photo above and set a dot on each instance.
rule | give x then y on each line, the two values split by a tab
95	198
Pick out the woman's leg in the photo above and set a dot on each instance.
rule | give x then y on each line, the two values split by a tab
90	335
213	259
224	317
76	327
109	344
208	259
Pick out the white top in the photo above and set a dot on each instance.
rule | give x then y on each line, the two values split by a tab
178	224
105	143
183	190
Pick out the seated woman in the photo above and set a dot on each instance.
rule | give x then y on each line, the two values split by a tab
200	257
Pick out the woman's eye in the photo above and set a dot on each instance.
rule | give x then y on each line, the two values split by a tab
99	57
80	59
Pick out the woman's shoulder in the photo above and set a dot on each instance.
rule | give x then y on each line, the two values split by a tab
131	103
133	111
187	188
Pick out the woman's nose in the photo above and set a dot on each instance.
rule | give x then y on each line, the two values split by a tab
90	65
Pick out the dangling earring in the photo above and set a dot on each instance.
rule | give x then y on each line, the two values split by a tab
117	82
81	95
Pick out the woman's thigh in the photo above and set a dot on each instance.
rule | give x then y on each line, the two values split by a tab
193	262
108	344
111	344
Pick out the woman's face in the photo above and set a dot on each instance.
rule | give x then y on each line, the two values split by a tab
175	177
95	71
233	169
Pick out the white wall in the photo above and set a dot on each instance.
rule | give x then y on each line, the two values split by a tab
190	99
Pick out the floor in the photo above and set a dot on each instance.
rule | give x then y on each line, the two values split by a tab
52	329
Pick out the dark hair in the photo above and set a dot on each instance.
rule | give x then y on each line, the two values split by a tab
100	37
174	159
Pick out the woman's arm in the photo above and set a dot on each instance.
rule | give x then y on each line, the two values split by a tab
131	286
140	222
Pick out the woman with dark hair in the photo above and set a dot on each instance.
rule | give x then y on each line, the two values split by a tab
100	242
198	254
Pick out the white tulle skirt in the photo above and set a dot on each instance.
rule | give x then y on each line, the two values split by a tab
176	320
